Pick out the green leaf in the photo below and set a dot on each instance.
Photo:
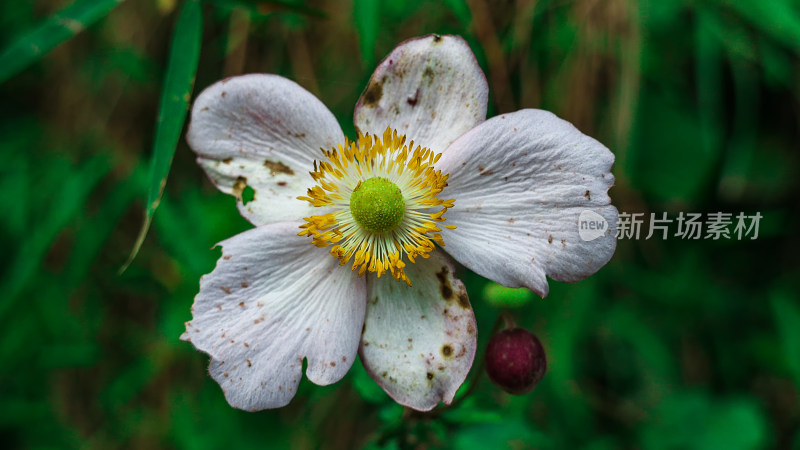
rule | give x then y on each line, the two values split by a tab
658	167
66	204
695	421
366	16
58	28
787	317
513	432
504	297
93	234
366	387
461	10
778	19
182	67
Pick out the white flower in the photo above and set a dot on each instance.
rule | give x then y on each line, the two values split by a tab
510	188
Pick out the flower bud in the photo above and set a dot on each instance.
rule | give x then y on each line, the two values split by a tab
515	360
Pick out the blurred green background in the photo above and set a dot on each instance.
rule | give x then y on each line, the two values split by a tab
676	344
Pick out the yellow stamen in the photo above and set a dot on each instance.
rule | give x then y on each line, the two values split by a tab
378	249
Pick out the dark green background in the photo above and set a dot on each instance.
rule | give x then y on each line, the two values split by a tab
676	344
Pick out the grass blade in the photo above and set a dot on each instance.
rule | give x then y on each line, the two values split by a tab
366	17
58	28
181	69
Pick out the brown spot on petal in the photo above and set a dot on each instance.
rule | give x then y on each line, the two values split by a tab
550	239
588	195
429	375
333	363
437	38
463	300
447	350
249	364
444	284
276	167
483	172
373	93
227	160
428	74
227	290
244	285
238	186
413	100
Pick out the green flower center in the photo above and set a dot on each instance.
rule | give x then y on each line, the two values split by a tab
377	205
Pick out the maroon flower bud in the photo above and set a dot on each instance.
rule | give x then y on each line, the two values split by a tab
515	360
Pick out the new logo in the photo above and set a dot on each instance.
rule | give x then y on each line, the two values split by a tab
591	225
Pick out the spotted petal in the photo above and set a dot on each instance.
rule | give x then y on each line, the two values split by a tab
521	182
419	342
262	132
430	89
272	300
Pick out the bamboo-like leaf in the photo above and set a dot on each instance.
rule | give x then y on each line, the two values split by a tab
175	94
58	28
366	16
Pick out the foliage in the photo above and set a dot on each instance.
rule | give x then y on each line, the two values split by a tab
674	344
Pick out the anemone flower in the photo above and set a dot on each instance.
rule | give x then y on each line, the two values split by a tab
343	256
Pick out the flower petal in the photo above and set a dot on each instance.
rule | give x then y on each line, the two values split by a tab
273	299
521	182
419	342
430	89
262	131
